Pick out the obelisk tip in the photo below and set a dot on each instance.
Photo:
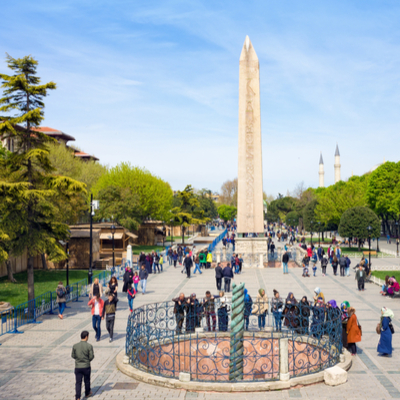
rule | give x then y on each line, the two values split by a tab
247	42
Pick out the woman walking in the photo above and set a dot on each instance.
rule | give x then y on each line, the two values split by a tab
353	331
113	286
248	305
96	289
386	329
335	264
131	292
61	299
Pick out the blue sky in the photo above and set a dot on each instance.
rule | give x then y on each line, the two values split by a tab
156	83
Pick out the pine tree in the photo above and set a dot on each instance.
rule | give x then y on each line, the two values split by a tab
29	210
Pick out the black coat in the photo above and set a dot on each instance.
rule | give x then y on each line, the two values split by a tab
128	278
218	272
227	272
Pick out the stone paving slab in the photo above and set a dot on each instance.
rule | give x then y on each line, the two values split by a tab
37	364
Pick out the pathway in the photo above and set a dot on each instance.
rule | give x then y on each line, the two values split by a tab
38	365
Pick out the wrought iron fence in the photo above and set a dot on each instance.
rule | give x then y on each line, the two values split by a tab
162	339
28	312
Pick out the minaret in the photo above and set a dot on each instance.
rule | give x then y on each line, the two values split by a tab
321	172
337	164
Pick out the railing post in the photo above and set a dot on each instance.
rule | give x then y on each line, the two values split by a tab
284	359
51	304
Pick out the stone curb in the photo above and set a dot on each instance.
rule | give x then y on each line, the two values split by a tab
141	376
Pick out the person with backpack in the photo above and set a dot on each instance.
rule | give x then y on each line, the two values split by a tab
83	354
203	259
131	296
335	264
109	309
61	299
97	306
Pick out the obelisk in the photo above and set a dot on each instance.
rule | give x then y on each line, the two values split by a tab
250	217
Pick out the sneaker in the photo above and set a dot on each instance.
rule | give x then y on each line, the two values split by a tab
111	340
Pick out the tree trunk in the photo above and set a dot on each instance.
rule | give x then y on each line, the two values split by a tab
44	262
183	235
10	272
31	279
359	244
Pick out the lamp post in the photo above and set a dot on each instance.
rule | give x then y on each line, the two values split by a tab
113	229
397	236
369	228
90	272
67	250
319	231
311	222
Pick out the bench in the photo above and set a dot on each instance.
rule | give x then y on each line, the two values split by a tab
373	253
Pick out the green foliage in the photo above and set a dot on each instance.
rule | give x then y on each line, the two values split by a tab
334	200
29	190
292	218
150	195
383	192
279	208
227	213
309	217
4	239
207	204
354	223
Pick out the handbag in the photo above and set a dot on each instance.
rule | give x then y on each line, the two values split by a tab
359	327
378	329
391	327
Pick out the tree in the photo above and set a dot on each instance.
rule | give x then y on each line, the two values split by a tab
309	216
334	200
279	208
292	218
354	223
383	192
268	198
228	194
31	212
207	204
151	195
189	211
227	213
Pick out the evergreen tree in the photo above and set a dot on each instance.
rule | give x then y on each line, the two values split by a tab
30	210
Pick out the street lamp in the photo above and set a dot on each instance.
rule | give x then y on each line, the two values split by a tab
311	223
369	228
113	229
319	230
94	205
397	235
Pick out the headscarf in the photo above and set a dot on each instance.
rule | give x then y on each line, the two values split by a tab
317	290
260	291
291	299
346	303
333	303
386	312
304	297
246	296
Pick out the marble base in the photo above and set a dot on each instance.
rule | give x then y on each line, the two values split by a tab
252	251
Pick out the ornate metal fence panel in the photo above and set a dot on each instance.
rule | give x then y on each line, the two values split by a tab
165	340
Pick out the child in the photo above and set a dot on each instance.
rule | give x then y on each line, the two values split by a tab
136	280
131	295
160	262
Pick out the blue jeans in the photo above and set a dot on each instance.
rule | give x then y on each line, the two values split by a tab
278	320
130	302
261	321
61	308
96	322
143	283
136	285
285	268
197	269
347	271
161	267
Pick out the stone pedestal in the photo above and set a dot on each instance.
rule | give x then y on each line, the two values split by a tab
335	376
284	359
252	251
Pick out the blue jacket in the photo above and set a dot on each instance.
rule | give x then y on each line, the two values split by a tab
385	341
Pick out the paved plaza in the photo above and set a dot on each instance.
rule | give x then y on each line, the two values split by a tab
38	365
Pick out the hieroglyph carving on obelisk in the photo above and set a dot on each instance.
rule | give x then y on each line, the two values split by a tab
250	193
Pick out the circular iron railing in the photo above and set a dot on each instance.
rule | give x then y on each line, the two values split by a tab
165	340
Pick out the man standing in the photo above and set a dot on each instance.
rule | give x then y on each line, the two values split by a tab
227	273
360	278
348	262
218	276
197	264
82	353
209	310
109	309
143	275
272	247
188	262
285	260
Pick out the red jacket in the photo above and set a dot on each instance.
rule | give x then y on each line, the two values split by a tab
101	305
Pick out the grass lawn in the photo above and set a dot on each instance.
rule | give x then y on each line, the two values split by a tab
175	238
145	249
45	281
315	240
382	274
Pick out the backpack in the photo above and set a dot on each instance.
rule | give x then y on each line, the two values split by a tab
60	292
